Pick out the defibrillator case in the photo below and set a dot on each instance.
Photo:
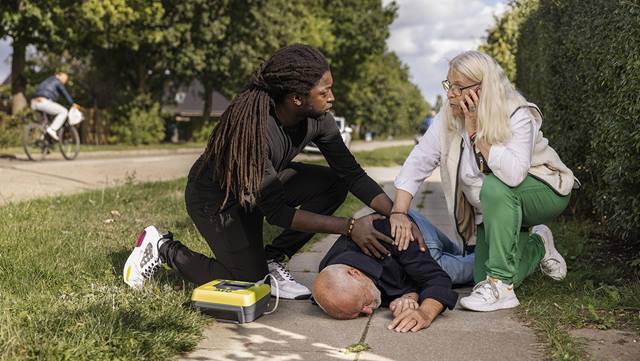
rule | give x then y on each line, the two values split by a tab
232	301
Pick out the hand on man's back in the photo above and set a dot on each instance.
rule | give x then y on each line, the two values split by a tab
368	238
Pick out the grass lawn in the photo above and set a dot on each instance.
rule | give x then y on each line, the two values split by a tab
602	289
61	289
383	157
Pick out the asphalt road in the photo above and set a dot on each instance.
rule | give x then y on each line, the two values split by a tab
21	179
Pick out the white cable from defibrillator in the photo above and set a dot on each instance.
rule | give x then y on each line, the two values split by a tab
277	292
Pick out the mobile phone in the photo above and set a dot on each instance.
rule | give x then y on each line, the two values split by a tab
466	103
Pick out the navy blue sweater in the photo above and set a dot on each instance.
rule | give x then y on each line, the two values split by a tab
52	89
401	273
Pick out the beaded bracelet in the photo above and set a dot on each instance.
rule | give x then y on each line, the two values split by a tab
351	221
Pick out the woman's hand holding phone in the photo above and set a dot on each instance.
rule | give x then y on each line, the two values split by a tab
469	105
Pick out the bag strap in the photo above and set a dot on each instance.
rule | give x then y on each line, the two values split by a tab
530	106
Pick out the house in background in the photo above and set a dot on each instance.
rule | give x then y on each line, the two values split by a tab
5	95
186	105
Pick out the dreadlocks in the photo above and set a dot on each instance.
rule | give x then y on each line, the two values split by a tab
237	147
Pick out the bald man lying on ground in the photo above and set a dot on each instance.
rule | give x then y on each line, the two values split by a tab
351	283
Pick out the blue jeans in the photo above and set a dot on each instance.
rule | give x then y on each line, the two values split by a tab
446	253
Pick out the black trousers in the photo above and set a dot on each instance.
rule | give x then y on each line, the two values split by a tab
235	235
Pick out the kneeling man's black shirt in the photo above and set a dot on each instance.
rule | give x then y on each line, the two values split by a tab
402	272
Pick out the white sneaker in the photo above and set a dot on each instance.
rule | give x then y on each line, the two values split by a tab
288	286
490	295
52	133
144	261
552	264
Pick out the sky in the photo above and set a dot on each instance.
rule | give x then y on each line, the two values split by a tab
5	64
428	33
425	35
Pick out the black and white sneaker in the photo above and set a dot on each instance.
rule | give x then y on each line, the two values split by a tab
144	260
288	286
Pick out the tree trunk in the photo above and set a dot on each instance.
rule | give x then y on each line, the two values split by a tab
142	79
18	82
208	92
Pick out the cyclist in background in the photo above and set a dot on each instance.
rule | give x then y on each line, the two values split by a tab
46	97
426	123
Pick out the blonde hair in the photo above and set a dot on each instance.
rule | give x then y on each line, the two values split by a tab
498	97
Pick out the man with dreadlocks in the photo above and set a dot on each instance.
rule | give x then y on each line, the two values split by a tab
247	173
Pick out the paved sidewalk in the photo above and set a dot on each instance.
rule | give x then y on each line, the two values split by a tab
299	330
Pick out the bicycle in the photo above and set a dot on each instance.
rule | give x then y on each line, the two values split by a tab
37	143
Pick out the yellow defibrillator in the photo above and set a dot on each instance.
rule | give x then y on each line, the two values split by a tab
232	301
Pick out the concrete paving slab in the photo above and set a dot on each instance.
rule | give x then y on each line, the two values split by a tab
297	330
383	174
329	353
430	345
609	345
306	278
324	245
305	262
455	335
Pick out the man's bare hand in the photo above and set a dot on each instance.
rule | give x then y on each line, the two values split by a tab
367	237
410	320
416	319
406	302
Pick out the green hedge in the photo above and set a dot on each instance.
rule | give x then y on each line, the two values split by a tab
11	128
580	62
138	122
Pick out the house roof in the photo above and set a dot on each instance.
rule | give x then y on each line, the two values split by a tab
188	101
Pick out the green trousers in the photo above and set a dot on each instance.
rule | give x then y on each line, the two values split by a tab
504	248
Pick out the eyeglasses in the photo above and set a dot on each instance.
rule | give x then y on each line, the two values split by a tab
455	89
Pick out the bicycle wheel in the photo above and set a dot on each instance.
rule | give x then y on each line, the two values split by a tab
69	142
35	142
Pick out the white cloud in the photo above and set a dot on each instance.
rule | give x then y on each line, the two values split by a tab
427	33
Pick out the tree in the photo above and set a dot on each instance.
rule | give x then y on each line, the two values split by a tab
502	38
126	39
383	99
227	40
361	29
29	22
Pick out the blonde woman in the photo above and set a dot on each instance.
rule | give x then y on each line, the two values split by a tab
500	178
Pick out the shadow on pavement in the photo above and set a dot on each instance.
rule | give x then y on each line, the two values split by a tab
309	335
